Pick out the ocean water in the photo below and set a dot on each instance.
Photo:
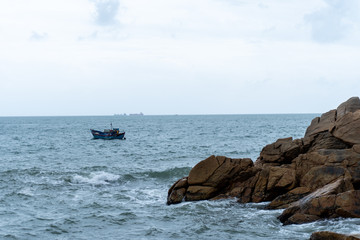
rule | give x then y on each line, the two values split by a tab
56	182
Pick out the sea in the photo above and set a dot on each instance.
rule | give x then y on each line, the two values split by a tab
57	182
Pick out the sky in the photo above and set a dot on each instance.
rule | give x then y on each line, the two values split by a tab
101	57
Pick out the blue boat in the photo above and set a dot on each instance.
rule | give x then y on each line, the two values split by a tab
113	133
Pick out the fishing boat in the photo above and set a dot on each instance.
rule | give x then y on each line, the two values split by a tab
112	133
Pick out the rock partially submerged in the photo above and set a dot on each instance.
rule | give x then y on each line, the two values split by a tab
325	235
314	177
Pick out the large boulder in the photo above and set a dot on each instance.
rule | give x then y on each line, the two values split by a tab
209	178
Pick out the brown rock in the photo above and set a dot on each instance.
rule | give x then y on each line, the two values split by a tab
211	177
243	187
317	168
281	178
304	162
177	192
203	170
284	201
321	175
349	203
284	150
321	124
228	169
176	196
196	193
347	128
325	140
324	203
356	148
259	193
298	218
351	105
272	182
325	235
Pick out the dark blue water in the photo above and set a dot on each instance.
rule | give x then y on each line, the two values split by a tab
56	182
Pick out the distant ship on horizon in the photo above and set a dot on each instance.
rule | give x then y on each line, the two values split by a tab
136	114
130	114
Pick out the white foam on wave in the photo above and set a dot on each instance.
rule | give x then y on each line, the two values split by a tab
96	178
26	192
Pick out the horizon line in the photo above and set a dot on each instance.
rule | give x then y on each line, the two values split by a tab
144	115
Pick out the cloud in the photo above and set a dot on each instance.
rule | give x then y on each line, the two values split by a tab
333	22
263	5
92	36
35	36
106	11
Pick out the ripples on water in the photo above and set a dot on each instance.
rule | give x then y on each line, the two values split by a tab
56	182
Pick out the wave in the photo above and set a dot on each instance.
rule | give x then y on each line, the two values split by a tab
96	178
169	173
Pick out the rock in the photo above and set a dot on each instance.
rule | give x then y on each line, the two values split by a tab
325	235
177	192
217	171
318	168
327	120
337	199
176	196
272	182
351	105
348	204
282	151
321	124
299	218
229	170
243	188
348	128
325	140
321	175
210	178
284	201
259	192
195	193
203	170
356	148
281	178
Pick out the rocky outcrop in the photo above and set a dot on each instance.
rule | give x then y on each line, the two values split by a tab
314	177
325	235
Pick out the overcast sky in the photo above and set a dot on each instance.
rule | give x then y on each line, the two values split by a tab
100	57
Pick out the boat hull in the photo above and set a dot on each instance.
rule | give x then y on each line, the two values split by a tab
108	136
